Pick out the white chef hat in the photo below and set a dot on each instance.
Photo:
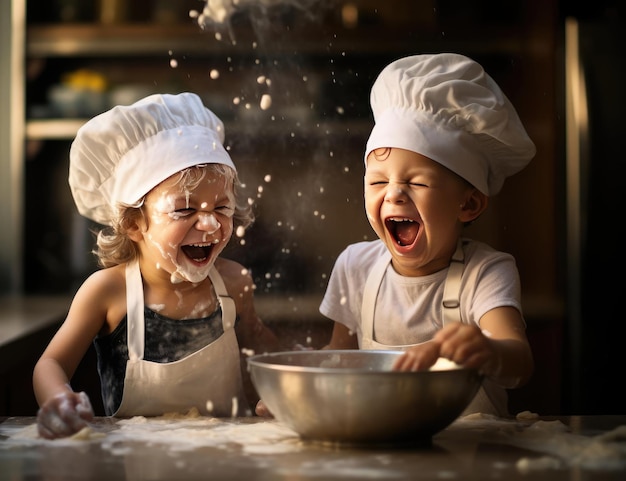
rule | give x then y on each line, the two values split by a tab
119	156
447	108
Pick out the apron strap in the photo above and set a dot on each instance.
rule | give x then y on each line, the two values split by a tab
135	323
451	303
370	293
229	310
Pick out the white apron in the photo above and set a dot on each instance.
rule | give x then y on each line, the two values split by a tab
450	311
208	379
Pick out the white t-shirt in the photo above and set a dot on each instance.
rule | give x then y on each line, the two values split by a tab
409	309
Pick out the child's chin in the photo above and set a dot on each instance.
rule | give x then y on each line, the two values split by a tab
191	272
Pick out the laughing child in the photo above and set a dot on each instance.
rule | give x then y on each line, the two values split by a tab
445	138
168	316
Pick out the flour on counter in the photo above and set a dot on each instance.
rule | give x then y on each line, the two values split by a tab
29	436
87	433
179	432
527	416
190	432
606	451
553	439
526	465
557	447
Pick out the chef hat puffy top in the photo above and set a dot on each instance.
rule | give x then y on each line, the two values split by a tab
119	156
447	108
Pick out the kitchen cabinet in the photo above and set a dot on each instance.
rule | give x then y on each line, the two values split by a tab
26	326
301	160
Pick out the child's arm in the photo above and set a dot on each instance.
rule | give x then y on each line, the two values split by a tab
62	411
253	336
499	348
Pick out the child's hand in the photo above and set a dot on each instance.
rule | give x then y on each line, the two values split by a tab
418	358
63	415
465	344
262	410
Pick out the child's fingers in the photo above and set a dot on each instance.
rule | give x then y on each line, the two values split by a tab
417	358
64	415
51	424
83	408
262	410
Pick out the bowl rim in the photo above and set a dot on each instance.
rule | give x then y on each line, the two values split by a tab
264	361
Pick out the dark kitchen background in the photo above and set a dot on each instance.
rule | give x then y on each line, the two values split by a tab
561	64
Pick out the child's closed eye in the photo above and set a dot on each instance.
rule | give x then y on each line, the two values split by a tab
180	213
227	210
183	212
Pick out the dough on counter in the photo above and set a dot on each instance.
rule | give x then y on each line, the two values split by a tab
86	434
191	414
615	435
480	417
30	434
526	416
526	465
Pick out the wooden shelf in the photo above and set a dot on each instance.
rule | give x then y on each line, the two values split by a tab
53	129
89	40
65	129
81	40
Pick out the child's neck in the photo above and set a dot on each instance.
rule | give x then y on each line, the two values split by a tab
183	300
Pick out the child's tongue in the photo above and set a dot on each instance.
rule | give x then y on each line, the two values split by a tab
406	232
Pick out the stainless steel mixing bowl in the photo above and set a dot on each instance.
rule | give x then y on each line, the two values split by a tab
353	396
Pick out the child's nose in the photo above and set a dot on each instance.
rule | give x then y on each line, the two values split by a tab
208	223
395	192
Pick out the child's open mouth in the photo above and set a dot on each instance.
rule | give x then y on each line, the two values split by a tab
403	230
197	252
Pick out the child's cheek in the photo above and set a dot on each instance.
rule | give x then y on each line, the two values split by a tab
165	203
373	219
164	250
156	219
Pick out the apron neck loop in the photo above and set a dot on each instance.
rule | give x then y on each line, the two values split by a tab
451	303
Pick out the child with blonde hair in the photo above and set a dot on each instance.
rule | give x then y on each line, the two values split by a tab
168	316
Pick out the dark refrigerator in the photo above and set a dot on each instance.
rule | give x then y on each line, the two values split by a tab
595	112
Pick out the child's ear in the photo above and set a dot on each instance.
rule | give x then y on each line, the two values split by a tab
134	230
475	204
